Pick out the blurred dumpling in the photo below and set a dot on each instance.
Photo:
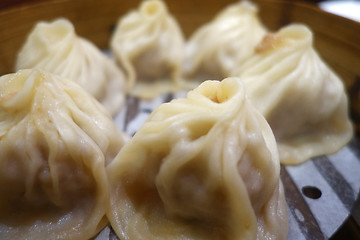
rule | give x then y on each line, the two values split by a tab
55	47
148	44
204	167
218	47
55	141
303	100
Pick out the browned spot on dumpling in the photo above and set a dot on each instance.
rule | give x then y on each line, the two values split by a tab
269	42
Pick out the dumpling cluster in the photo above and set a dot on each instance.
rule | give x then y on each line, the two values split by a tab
218	47
203	167
303	100
55	141
55	47
148	45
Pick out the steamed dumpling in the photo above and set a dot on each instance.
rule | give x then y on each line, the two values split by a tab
55	47
148	45
303	100
204	167
55	141
218	47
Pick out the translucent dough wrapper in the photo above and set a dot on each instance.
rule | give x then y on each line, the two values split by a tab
55	47
218	47
55	140
148	44
204	167
303	100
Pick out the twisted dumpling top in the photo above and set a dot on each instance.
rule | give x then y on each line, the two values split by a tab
220	46
55	47
303	100
203	167
148	44
55	141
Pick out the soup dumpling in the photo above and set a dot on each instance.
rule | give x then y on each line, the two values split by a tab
55	141
148	45
219	47
303	100
55	47
203	167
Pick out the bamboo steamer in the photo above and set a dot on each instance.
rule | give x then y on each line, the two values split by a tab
337	40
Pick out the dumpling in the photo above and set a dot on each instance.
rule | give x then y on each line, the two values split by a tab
55	47
303	100
204	167
218	47
55	141
148	44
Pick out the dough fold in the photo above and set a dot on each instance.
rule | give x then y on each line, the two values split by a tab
55	47
203	167
55	141
300	96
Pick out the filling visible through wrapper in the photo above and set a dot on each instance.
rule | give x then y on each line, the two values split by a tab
55	141
203	167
